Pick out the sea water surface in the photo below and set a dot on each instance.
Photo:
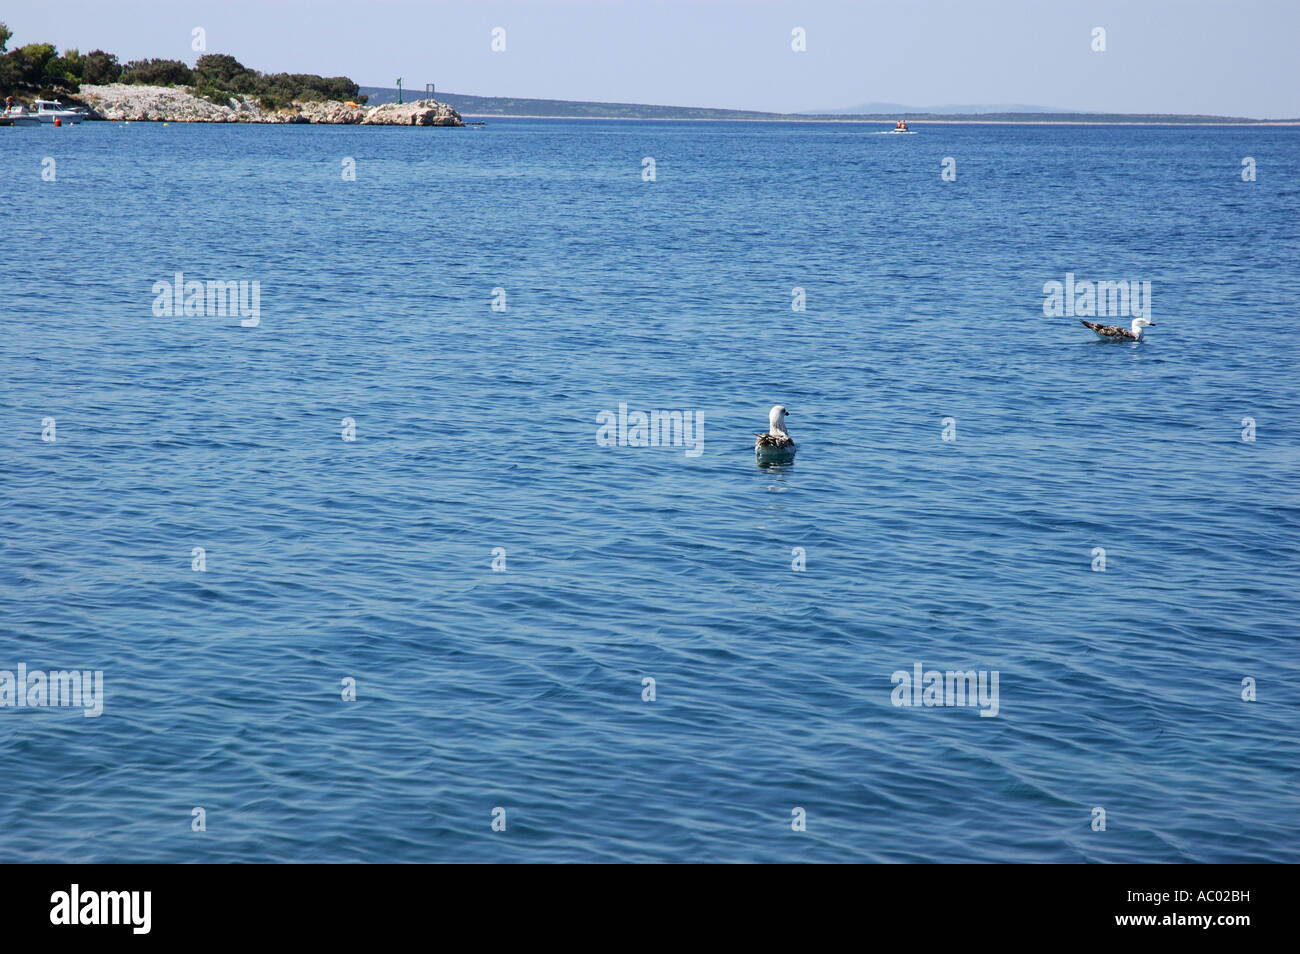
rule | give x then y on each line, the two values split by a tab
523	688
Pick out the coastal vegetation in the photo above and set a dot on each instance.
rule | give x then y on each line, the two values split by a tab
218	76
39	69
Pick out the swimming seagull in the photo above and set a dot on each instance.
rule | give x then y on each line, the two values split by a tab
777	444
1115	333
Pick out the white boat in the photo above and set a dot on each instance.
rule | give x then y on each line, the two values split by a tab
48	110
17	116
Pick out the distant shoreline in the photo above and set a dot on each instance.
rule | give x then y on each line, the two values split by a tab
504	107
879	122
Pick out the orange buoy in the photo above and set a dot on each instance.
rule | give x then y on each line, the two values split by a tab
58	121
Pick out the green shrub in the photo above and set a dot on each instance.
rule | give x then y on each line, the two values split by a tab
219	97
99	68
223	72
31	60
157	73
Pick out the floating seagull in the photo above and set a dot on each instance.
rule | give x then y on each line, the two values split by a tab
1115	333
776	446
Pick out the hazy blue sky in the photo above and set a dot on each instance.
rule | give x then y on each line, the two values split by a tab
1226	57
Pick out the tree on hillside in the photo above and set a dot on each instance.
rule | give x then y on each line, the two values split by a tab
99	68
157	73
64	71
224	72
218	76
31	61
8	69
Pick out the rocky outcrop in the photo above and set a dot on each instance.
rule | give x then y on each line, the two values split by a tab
423	112
331	113
121	101
176	104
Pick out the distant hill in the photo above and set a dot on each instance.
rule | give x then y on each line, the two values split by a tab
488	106
468	105
875	108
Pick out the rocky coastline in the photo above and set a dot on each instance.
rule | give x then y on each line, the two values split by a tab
123	102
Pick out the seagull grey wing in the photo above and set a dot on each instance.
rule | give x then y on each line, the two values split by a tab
1107	331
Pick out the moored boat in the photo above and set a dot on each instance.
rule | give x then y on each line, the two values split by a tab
18	116
48	110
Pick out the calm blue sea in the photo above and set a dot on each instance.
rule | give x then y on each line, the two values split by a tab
371	560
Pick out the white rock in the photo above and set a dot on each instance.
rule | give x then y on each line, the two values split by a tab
177	104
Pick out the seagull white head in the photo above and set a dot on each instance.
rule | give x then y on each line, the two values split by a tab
1138	324
776	421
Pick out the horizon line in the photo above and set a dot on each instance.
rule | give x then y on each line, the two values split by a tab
1062	116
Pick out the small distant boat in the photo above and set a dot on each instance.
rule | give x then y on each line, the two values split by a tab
48	110
900	127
